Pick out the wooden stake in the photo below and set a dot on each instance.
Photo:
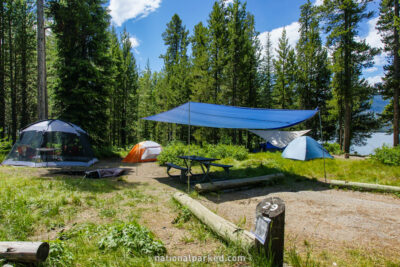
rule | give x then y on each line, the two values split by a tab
273	209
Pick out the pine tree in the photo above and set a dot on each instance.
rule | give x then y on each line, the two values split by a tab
217	24
201	82
285	82
177	67
313	74
84	64
388	12
25	49
342	19
116	88
2	71
267	76
129	92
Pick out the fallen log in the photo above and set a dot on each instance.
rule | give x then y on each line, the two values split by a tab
233	183
367	186
24	251
225	229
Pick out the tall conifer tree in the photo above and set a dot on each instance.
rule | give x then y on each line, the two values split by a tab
342	19
389	11
84	64
313	75
285	70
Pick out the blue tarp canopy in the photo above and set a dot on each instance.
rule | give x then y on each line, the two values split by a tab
220	116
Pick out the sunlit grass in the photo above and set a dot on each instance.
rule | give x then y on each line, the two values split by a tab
366	171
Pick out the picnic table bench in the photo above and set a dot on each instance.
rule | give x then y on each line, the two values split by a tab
205	164
226	167
183	170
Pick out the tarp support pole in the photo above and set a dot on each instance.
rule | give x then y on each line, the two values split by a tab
322	140
189	162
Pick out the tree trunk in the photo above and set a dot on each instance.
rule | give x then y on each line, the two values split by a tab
123	122
2	60
41	60
397	80
347	88
24	78
12	85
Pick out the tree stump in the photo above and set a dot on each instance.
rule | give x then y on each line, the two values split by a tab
272	210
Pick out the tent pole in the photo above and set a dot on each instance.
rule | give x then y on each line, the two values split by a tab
322	140
189	171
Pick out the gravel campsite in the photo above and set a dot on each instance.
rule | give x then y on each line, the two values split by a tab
323	225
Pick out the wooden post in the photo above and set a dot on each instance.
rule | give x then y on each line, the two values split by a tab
271	211
24	251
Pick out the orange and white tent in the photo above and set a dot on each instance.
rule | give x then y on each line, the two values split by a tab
143	152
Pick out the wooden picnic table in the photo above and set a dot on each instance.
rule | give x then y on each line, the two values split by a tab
205	164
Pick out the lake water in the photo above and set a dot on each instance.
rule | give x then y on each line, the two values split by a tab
376	140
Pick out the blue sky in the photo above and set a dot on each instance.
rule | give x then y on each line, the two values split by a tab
146	20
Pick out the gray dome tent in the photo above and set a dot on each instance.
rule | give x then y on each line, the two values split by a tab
51	143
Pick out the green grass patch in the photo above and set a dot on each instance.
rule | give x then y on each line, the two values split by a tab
365	171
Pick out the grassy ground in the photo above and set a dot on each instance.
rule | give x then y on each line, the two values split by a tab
78	215
82	219
366	171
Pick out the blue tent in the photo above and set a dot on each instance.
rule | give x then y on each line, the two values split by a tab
220	116
305	148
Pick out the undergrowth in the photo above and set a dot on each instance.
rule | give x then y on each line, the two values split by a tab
171	152
387	155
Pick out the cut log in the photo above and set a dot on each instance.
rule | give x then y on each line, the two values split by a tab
387	188
24	251
225	229
233	183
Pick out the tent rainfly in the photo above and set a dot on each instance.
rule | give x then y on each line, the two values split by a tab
220	116
305	148
143	152
279	139
51	143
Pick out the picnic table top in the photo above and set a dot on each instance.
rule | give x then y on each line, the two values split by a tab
197	158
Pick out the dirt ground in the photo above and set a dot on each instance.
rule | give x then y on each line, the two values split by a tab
329	219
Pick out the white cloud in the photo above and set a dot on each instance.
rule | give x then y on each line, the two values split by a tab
370	70
318	2
292	33
374	79
373	38
123	10
135	43
227	2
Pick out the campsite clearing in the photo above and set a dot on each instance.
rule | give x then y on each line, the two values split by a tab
346	227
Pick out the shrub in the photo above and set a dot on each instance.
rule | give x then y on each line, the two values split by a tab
387	155
333	148
106	152
171	152
137	239
5	147
59	255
